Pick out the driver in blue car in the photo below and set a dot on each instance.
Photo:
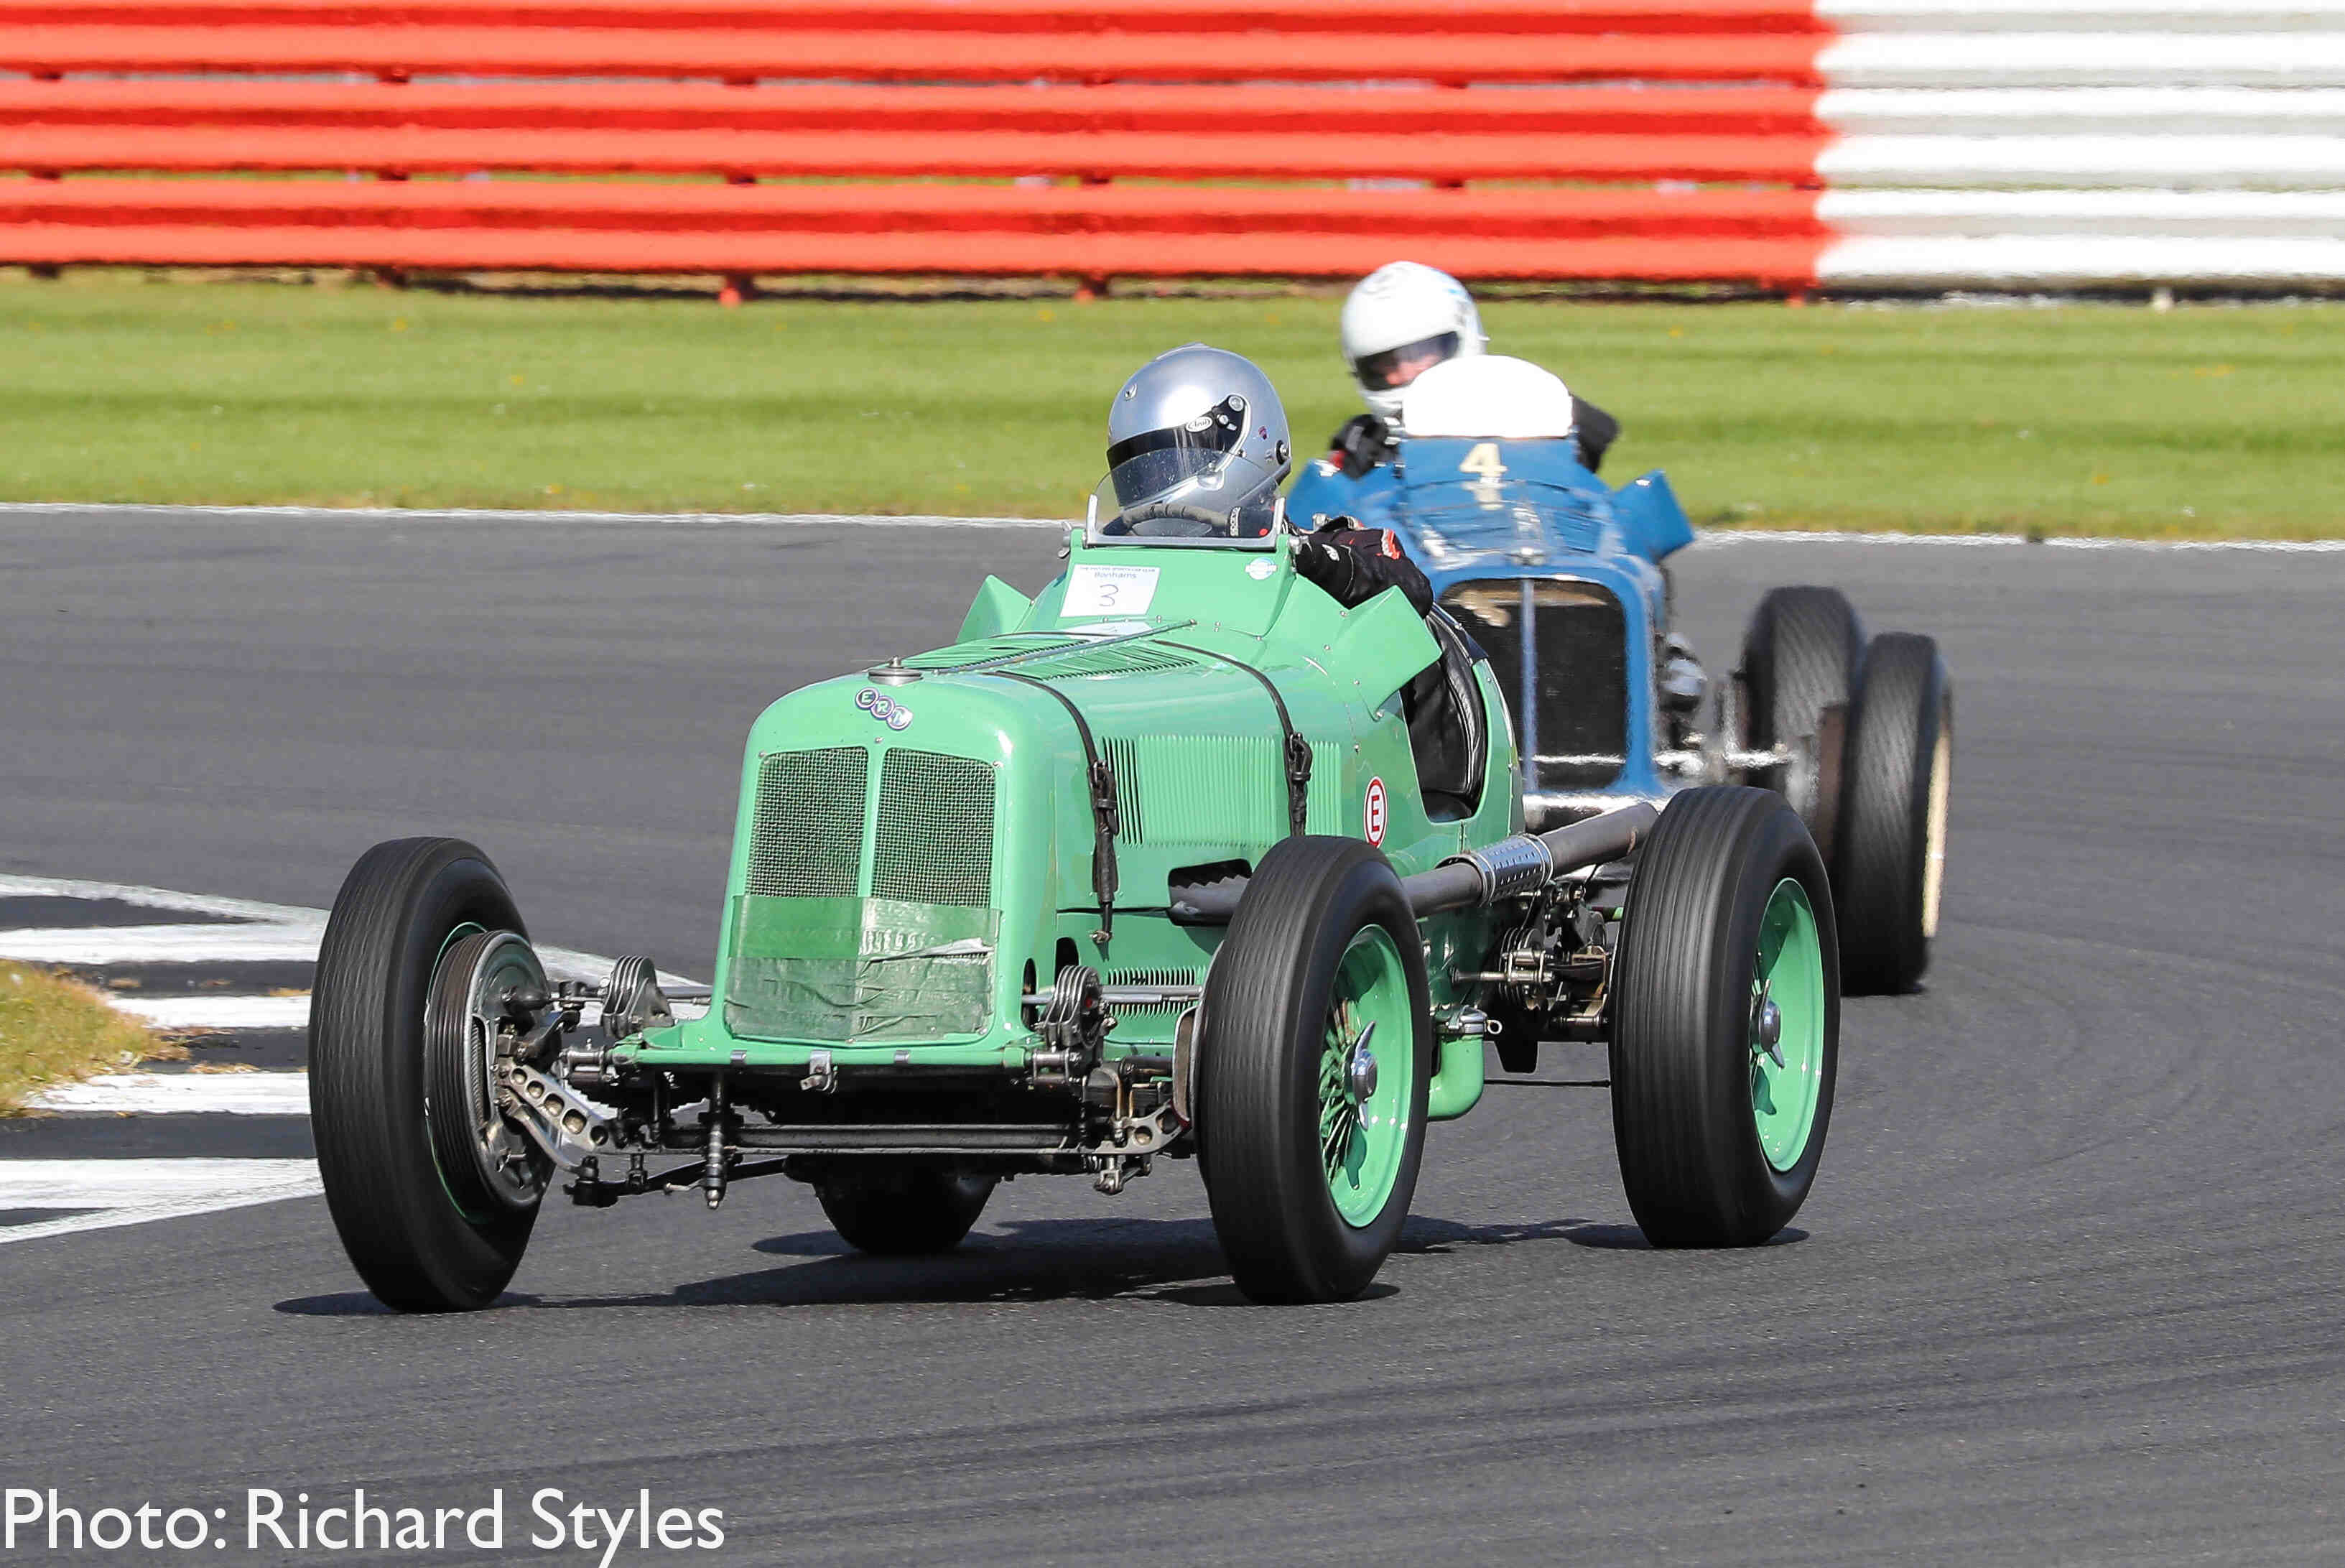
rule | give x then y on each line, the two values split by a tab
1401	321
1197	446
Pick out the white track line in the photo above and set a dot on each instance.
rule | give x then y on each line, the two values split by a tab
2051	542
266	934
377	514
160	899
163	944
485	514
182	1094
218	1011
132	1192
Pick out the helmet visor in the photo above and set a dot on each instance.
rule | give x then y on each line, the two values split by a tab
1390	368
1156	462
1174	494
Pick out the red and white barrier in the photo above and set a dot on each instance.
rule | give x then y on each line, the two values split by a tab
1855	144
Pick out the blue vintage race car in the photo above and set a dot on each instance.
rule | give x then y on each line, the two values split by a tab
1559	577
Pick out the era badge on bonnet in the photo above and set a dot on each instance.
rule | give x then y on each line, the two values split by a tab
885	708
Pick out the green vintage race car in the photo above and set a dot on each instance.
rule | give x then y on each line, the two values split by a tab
1178	860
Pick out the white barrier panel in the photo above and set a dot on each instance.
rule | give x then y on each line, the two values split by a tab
2084	59
2081	143
1980	214
2022	260
2171	162
2081	16
2072	111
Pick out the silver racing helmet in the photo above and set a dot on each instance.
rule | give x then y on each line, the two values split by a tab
1196	447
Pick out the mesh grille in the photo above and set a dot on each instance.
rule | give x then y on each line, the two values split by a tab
935	841
808	839
1146	977
1578	729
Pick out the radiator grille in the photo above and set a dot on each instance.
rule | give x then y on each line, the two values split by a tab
1573	726
808	838
935	839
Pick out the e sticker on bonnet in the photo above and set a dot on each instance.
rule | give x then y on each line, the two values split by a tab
1110	590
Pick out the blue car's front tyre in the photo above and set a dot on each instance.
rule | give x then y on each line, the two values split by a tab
1312	1069
434	1218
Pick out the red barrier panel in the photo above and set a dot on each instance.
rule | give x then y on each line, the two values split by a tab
1387	111
905	57
1358	17
1244	112
847	209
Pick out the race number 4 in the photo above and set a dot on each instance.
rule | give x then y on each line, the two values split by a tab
1376	811
1483	462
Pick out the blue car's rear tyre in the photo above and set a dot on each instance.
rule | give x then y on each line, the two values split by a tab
1719	1128
423	1239
1309	1123
1801	655
1891	850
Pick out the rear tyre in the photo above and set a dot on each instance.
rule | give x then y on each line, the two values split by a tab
1312	1072
903	1211
1891	846
1799	657
1720	1112
432	1209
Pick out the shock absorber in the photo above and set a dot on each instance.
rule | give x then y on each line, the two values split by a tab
712	1163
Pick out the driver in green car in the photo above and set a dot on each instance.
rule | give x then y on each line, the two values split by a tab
1197	446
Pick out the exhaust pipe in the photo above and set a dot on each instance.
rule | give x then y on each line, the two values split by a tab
1528	861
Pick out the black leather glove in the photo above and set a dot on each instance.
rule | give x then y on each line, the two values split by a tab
1595	429
1364	442
1354	564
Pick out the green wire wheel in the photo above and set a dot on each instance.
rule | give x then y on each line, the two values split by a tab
1368	1077
1313	1059
1787	1026
1725	1021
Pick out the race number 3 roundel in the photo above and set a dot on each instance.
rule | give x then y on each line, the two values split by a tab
1377	811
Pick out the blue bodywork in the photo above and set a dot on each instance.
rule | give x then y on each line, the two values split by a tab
1489	519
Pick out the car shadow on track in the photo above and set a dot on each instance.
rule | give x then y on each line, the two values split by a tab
1178	1261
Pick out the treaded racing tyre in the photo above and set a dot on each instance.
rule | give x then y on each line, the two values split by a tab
1801	655
1718	1127
405	906
1312	1073
1892	843
903	1211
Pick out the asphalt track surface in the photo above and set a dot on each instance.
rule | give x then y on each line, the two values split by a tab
2066	1290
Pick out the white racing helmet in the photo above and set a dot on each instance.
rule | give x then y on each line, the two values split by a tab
1400	318
1196	446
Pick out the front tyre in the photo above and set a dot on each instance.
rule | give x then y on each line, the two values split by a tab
903	1211
1725	1021
1312	1072
1892	847
434	1197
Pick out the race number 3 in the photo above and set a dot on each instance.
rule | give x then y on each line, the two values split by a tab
1376	812
1109	590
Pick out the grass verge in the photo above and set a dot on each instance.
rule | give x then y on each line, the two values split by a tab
54	1030
2082	418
